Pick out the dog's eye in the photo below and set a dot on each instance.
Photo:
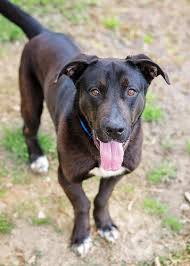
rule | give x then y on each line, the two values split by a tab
131	92
94	92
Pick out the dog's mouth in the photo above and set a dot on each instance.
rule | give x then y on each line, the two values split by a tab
111	153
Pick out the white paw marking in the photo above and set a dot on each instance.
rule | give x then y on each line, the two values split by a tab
110	235
40	166
83	248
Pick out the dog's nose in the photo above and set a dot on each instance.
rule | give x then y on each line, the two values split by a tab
114	131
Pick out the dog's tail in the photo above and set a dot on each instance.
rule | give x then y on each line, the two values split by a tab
27	23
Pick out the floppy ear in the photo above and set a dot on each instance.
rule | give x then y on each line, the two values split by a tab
149	69
74	68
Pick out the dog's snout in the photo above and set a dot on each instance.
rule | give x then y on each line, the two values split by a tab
114	131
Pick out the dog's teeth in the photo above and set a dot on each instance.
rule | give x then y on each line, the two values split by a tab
40	166
110	235
83	248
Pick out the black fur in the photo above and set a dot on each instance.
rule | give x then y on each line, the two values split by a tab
109	94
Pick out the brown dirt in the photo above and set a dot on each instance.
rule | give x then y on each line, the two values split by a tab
142	236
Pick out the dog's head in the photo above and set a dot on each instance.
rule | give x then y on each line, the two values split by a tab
112	98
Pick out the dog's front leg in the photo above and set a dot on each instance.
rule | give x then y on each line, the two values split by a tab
80	239
105	225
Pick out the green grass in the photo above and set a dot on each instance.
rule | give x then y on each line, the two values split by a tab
146	263
152	111
25	209
17	172
155	207
31	3
148	39
188	247
6	224
123	263
164	172
3	170
75	11
2	192
188	147
128	188
19	175
13	142
111	23
173	223
8	31
41	221
177	258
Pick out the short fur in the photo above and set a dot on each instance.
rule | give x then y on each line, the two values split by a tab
54	69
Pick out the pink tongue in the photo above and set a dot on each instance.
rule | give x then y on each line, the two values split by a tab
111	155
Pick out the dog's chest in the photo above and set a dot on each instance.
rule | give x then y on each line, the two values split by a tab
98	171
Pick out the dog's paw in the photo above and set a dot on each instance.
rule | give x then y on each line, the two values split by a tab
40	165
83	248
111	234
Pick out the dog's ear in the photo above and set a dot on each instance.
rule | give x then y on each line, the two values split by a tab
74	68
149	69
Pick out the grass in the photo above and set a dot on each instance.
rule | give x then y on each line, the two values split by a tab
178	258
148	39
111	23
17	172
188	147
155	207
41	221
9	32
128	189
6	224
13	142
3	170
146	263
3	191
19	175
25	209
173	223
75	11
123	263
152	111
163	172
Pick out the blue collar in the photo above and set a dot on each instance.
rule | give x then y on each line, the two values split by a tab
85	128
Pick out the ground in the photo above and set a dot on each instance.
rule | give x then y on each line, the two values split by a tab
148	205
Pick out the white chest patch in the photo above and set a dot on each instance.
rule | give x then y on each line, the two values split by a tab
106	174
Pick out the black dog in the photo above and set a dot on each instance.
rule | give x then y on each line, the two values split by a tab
95	104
